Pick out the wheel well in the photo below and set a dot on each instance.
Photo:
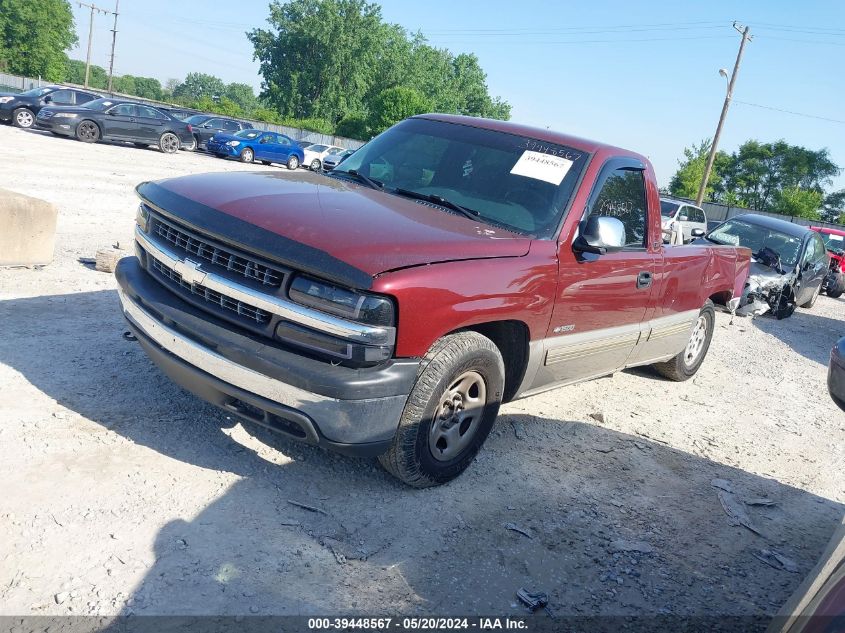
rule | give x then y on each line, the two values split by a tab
511	337
721	298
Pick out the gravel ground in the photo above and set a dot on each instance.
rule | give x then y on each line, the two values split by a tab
122	493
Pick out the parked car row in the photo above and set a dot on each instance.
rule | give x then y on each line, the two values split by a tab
89	117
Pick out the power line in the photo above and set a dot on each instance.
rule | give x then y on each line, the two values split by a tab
809	116
93	8
618	40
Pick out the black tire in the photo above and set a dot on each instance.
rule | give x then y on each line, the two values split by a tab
315	165
836	289
785	305
88	131
169	143
247	155
812	300
420	454
685	365
193	146
293	162
23	118
266	162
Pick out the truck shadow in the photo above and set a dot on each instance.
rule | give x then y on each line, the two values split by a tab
604	522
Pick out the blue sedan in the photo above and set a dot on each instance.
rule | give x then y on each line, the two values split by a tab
252	145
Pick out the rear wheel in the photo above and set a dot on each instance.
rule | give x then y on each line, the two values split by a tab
315	164
22	117
293	162
449	412
169	143
247	155
685	365
837	286
88	132
191	146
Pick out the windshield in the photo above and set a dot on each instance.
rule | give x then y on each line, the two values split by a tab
36	92
667	209
510	180
197	119
99	104
755	237
833	242
249	134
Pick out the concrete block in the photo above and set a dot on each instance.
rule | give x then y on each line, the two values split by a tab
27	230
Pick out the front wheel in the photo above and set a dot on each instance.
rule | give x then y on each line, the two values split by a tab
169	143
836	287
293	162
685	365
22	117
247	155
315	164
449	412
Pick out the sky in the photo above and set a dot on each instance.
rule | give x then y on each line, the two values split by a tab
640	75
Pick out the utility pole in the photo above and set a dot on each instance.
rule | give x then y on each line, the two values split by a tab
703	187
113	42
90	36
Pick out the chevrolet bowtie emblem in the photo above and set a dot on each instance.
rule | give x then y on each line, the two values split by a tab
191	272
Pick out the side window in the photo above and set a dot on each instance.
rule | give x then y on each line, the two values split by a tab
231	126
268	138
283	140
149	113
61	97
124	109
85	97
622	196
819	247
696	215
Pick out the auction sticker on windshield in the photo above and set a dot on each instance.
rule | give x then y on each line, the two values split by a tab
545	167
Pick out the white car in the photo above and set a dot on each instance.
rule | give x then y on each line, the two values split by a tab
689	217
314	155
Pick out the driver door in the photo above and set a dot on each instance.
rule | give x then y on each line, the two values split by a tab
120	121
602	300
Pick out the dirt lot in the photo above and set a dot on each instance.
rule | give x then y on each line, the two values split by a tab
122	493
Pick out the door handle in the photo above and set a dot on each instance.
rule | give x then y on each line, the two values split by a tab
644	280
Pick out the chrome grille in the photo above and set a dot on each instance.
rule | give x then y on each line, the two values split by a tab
227	303
225	258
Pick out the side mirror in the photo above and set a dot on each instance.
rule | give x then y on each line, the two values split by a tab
600	235
683	218
207	126
111	113
48	99
697	232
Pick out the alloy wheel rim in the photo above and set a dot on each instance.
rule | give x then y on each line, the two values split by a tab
696	342
87	131
458	416
24	118
248	155
170	143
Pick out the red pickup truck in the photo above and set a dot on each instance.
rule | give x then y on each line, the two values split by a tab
390	306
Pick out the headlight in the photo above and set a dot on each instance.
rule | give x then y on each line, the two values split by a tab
142	217
65	115
233	143
6	99
356	306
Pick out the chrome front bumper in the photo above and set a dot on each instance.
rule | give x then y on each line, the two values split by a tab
353	421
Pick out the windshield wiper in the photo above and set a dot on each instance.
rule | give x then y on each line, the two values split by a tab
443	202
372	184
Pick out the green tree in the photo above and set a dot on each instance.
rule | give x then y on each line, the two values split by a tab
334	59
802	203
395	104
354	126
687	180
242	95
75	74
148	88
833	207
199	85
34	37
125	84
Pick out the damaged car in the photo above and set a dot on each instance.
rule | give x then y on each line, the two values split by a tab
834	242
788	266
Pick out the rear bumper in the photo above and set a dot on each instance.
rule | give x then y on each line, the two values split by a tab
353	411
